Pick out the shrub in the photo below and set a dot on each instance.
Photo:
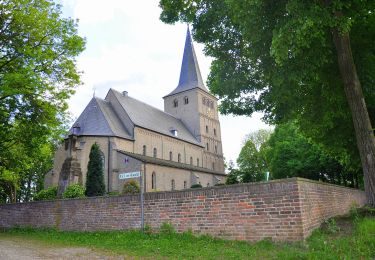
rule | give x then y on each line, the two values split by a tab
131	187
219	184
47	194
167	228
195	186
74	191
95	176
113	193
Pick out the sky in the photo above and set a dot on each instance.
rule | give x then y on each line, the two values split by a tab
129	48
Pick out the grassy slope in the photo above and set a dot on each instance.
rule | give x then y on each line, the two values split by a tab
346	237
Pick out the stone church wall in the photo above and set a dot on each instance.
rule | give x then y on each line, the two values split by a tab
283	210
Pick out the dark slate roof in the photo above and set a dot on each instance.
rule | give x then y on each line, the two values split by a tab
146	116
173	164
99	119
190	75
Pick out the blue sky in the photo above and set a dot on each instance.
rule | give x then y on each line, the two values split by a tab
129	48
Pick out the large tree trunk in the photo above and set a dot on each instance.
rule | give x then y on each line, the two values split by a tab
360	116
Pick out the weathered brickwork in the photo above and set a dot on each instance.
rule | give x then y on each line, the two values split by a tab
283	210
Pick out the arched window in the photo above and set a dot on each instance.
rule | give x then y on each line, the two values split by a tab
213	166
155	152
179	157
170	156
191	160
198	162
186	100
185	184
207	146
175	103
144	150
214	131
215	148
173	185
206	128
102	157
153	181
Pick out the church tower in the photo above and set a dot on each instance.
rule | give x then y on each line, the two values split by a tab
196	107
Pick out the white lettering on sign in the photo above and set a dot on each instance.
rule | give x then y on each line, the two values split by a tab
129	175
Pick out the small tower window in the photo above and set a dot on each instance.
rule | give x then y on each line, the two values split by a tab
179	157
191	160
186	100
197	161
207	146
155	152
206	128
173	185
153	181
185	184
170	156
215	148
175	103
144	150
213	166
214	131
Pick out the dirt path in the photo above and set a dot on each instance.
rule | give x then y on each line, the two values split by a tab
18	248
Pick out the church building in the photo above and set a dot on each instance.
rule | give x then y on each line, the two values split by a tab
172	149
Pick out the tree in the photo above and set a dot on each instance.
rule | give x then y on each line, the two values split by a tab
291	154
309	61
233	174
37	75
250	163
95	174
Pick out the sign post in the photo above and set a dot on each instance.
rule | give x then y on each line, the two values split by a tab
131	175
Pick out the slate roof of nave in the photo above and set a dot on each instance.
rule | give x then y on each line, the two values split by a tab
149	117
100	119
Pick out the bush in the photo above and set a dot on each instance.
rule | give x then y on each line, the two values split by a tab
47	194
113	193
95	176
167	229
74	191
195	186
131	187
219	184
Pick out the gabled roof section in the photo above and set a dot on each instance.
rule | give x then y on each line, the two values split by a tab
146	116
173	164
190	75
99	119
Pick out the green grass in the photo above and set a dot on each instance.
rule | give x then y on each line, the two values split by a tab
351	237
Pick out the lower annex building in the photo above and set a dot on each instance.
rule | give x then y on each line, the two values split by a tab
172	149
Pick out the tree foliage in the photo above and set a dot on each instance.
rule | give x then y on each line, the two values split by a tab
37	75
307	61
95	174
291	154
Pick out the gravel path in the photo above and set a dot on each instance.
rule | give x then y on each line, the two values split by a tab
16	248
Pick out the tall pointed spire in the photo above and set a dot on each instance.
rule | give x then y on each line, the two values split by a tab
190	75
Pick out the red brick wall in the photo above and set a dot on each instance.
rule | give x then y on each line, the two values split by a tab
284	210
321	201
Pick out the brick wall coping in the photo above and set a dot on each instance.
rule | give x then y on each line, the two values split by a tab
194	192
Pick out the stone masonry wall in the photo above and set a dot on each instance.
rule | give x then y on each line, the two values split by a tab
284	210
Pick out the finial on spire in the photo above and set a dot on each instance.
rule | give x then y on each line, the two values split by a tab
93	88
